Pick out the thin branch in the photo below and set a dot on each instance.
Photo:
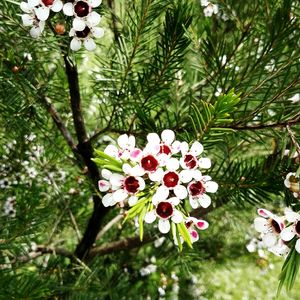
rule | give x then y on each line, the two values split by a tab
111	5
125	244
293	138
110	224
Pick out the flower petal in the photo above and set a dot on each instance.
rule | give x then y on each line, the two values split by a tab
78	24
111	150
136	154
75	44
174	201
260	224
42	13
194	202
119	195
116	179
35	32
265	213
297	246
205	201
93	19
186	176
153	138
269	239
27	20
141	183
164	226
132	200
176	146
184	148
106	174
150	216
168	136
33	3
291	216
123	141
196	148
57	6
180	191
89	44
25	7
161	194
177	216
172	164
204	163
68	9
287	233
95	3
194	235
103	185
107	200
201	224
211	186
157	175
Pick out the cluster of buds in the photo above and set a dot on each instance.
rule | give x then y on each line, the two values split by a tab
84	19
279	234
161	182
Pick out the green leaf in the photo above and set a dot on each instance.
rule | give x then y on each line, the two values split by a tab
185	234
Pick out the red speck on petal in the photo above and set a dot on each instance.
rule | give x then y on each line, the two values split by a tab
164	210
262	212
194	234
200	224
170	179
48	2
165	149
131	184
149	163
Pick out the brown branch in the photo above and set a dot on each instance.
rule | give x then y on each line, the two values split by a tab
125	244
111	5
86	151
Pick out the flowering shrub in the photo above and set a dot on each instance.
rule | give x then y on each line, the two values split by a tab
160	183
83	25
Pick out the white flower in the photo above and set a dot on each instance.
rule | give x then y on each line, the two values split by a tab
210	9
148	270
83	12
295	98
191	223
198	188
43	7
288	233
85	36
292	182
165	210
270	227
30	19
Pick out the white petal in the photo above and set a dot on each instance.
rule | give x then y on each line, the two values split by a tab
150	216
211	186
132	200
72	32
137	171
161	194
194	202
177	216
287	233
123	141
194	235
265	213
204	163
25	7
168	136
260	224
131	142
157	176
297	246
141	183
42	13
174	200
106	174
269	239
176	146
184	148
57	6
172	164
196	148
119	195
291	216
33	3
201	224
164	226
186	176
111	150
27	20
68	9
180	191
103	185
205	201
107	200
35	32
136	154
163	159
93	19
127	169
153	138
95	3
78	24
116	179
197	175
75	44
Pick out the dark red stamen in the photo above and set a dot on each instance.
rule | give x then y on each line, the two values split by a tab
82	9
164	210
170	179
149	163
84	33
190	161
164	149
48	2
131	184
197	188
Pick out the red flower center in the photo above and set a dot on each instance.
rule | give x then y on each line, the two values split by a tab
297	227
131	184
84	33
164	149
149	163
164	210
276	226
188	224
48	2
81	9
190	161
197	188
171	179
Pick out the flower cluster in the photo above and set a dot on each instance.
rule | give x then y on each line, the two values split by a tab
160	182
84	19
209	8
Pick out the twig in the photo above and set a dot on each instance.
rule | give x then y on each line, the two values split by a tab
111	5
294	141
110	224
